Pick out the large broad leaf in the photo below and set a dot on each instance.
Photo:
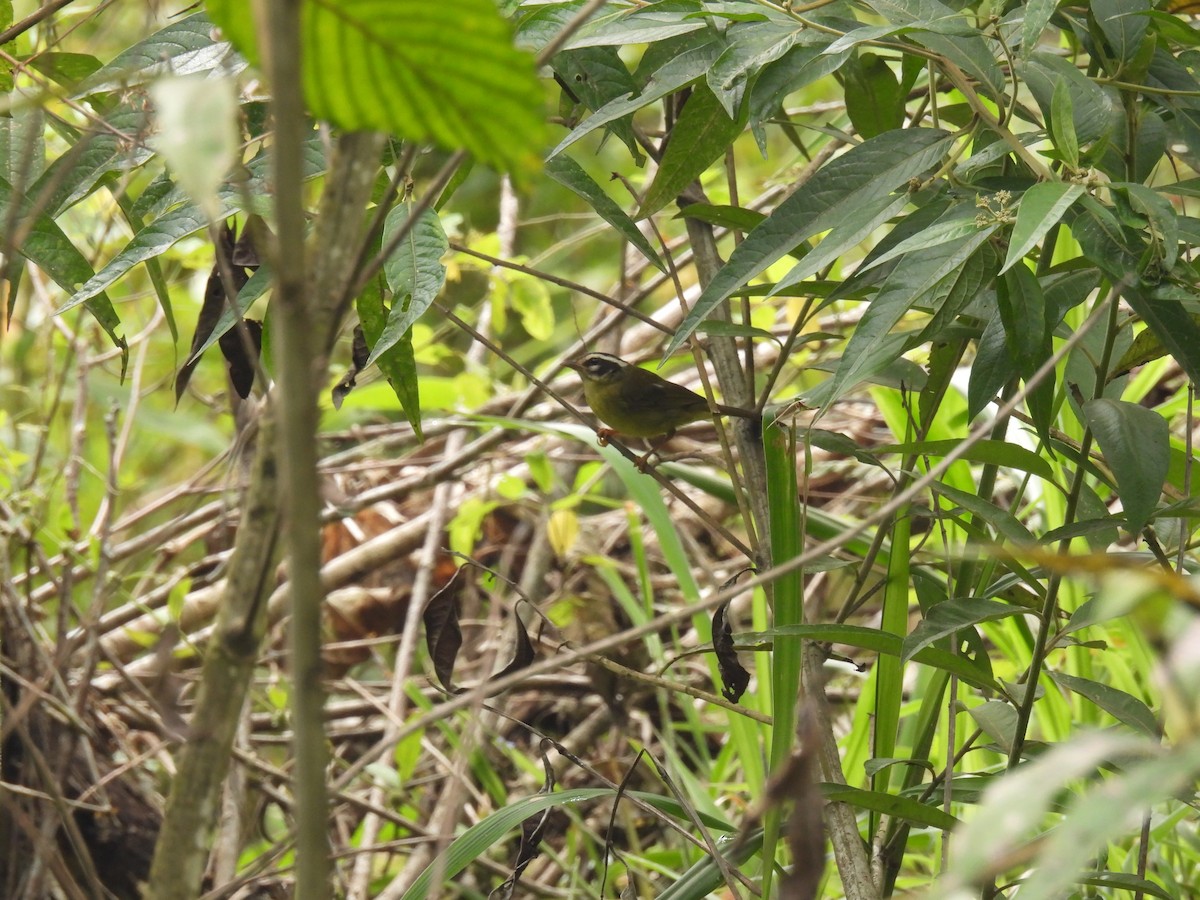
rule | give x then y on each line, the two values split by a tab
878	166
1135	442
1124	25
752	46
1163	311
948	33
1036	14
617	25
1093	109
571	175
186	47
414	272
441	72
1023	312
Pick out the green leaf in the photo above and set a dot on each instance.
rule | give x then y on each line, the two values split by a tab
1124	25
476	840
1062	124
597	76
874	100
878	166
113	145
950	616
46	246
175	224
751	46
1164	221
414	272
1002	520
677	73
638	25
1037	15
1163	311
1093	109
441	72
397	362
67	69
881	642
702	133
890	805
1042	207
858	224
993	367
182	48
572	176
1136	445
996	453
733	217
920	276
1122	706
1023	312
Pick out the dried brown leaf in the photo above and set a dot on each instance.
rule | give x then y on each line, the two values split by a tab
734	677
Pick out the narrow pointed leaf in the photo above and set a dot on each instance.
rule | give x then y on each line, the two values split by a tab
877	167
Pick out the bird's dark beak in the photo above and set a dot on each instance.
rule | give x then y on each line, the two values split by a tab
573	364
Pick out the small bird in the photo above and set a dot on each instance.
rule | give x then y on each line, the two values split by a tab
636	402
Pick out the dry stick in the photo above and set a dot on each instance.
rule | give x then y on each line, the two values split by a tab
665	620
32	19
625	308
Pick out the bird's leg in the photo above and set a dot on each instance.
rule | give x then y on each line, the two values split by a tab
604	435
643	461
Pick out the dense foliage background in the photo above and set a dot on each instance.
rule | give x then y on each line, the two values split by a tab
314	580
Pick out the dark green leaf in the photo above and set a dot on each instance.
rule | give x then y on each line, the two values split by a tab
572	176
950	616
45	245
1093	108
398	363
874	100
1136	446
1120	705
1124	25
702	133
414	273
415	68
1023	312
